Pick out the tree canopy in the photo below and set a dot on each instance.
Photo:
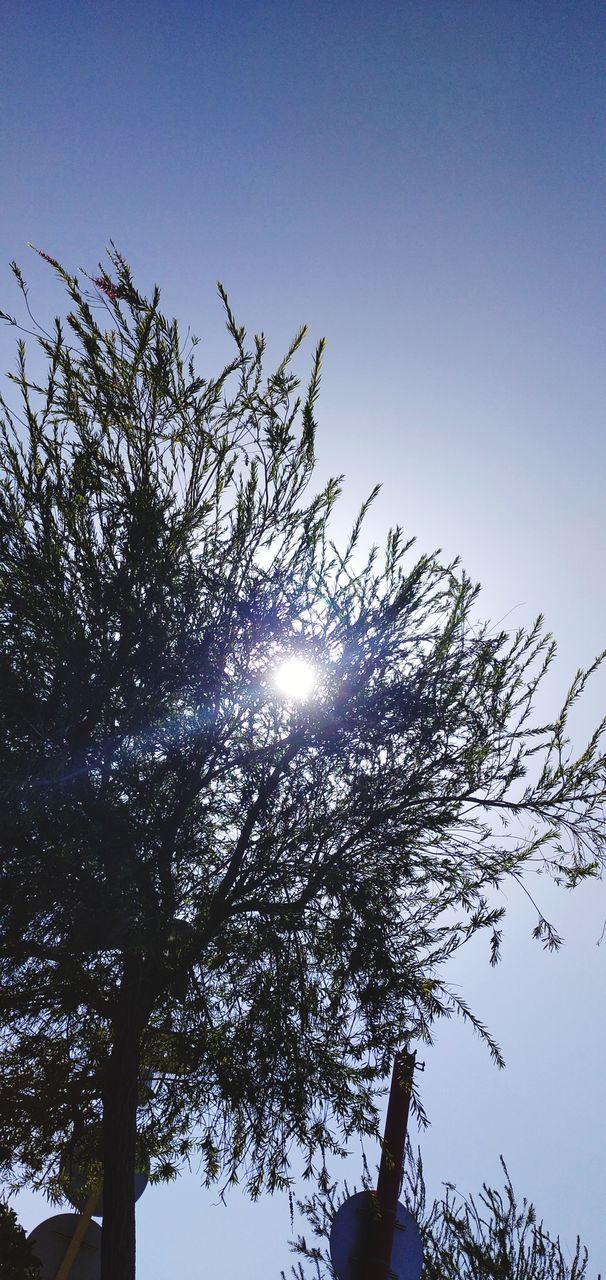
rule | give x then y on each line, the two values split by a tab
223	909
492	1235
16	1256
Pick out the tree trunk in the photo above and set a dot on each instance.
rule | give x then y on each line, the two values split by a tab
119	1132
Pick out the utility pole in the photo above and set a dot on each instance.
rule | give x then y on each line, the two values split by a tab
373	1235
383	1222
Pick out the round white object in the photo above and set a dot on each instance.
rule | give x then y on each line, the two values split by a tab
50	1242
348	1233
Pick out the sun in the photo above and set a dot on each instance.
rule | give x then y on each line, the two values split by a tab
295	679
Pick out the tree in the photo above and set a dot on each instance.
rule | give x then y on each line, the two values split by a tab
491	1236
495	1237
17	1260
224	909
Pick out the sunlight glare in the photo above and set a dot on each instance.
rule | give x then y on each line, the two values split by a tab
295	678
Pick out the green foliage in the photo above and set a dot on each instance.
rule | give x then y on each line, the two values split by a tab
491	1236
261	893
16	1259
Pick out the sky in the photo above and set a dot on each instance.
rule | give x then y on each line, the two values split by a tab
424	184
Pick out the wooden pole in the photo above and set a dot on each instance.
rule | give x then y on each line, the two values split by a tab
381	1230
82	1226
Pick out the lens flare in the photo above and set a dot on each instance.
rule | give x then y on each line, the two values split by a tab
295	679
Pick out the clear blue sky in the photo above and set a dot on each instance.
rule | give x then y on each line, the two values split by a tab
424	183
